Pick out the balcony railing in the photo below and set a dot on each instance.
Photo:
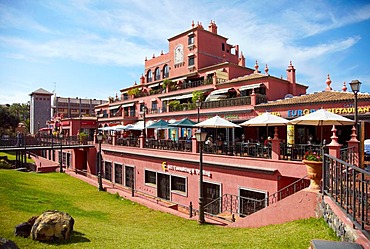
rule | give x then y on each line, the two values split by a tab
227	102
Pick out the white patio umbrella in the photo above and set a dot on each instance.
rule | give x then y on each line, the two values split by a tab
266	119
216	122
320	118
119	127
107	128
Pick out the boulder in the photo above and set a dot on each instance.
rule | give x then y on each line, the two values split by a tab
24	229
52	225
7	244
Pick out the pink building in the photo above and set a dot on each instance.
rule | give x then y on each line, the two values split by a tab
164	162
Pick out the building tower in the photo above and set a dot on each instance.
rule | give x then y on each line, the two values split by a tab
40	109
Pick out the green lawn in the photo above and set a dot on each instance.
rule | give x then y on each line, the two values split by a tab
11	156
103	220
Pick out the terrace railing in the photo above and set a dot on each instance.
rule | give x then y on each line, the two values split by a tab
349	187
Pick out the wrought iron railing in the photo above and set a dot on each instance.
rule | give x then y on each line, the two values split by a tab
243	206
348	154
349	187
296	152
227	102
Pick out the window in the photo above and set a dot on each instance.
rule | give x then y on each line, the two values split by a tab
166	72
118	173
191	40
150	177
191	61
149	76
178	184
223	46
157	74
108	170
154	105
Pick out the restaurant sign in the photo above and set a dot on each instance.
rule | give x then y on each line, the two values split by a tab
338	110
168	167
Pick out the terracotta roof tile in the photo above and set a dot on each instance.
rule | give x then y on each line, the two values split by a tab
319	97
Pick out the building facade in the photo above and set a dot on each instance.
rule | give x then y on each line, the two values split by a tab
74	107
40	109
164	163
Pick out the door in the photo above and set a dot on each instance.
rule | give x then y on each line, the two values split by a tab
129	177
211	192
163	186
251	201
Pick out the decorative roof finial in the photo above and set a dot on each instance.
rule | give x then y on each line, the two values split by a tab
192	24
267	70
328	82
344	88
256	67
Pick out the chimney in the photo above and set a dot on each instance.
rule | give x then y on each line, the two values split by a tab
212	27
291	77
241	60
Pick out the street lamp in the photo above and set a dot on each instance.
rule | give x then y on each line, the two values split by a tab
201	137
355	86
144	112
99	137
61	153
198	103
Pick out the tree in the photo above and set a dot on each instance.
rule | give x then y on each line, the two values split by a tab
22	111
8	121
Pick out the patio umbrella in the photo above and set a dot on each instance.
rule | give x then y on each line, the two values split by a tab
216	122
266	119
320	118
107	128
186	123
161	124
119	127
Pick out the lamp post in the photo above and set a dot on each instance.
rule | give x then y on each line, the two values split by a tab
355	87
61	153
99	137
201	137
198	103
144	112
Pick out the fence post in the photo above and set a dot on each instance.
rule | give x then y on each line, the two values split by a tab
353	143
334	146
190	210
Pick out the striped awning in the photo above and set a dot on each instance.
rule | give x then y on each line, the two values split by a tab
253	86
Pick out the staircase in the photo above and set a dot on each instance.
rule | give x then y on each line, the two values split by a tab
232	207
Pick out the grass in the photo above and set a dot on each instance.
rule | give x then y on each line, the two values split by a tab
104	220
11	156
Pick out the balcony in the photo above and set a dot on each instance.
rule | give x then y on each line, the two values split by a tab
227	102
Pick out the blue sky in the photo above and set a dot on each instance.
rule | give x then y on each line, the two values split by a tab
92	49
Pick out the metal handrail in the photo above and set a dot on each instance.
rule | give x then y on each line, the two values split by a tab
348	186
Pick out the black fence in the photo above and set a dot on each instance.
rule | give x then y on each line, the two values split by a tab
349	188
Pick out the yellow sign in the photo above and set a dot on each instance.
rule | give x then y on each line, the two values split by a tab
290	134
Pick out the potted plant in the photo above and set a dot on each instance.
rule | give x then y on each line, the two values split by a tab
313	162
83	137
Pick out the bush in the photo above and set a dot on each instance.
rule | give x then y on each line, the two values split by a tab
5	165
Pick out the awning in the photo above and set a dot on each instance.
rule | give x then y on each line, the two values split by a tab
220	91
253	86
141	101
185	96
191	54
127	105
154	99
114	107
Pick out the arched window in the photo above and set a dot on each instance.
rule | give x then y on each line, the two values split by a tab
157	74
149	76
166	72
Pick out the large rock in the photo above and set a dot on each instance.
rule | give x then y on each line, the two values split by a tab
24	229
52	225
7	244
